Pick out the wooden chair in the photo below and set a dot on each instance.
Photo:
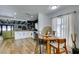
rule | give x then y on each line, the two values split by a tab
59	46
40	44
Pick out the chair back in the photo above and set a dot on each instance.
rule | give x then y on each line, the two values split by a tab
60	41
59	46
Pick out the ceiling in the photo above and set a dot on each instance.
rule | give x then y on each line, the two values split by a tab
26	12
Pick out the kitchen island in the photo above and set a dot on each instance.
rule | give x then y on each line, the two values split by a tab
23	34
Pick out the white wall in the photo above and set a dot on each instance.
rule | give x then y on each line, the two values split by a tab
75	22
43	20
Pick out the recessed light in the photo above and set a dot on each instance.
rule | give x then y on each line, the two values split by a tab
14	17
31	16
53	7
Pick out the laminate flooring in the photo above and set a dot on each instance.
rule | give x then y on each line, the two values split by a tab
22	46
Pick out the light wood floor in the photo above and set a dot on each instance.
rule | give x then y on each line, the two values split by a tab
22	46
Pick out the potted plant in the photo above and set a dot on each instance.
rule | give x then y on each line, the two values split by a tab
75	50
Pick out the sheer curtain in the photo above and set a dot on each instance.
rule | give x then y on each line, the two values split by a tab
64	27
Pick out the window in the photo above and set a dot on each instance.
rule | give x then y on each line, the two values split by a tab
64	27
12	28
4	28
8	28
58	26
61	26
36	25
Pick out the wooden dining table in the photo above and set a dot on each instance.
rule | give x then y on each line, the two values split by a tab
49	38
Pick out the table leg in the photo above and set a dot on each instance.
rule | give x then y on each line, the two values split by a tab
48	47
